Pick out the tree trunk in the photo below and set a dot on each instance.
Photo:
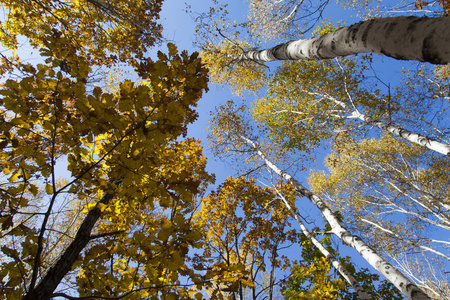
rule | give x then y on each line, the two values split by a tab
51	280
397	130
362	294
272	271
406	38
406	286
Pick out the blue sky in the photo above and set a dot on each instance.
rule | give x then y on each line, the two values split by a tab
179	28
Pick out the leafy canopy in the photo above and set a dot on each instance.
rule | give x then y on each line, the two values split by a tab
119	225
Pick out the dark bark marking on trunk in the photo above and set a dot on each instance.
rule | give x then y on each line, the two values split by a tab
415	293
413	24
274	53
428	50
366	32
390	27
353	30
280	52
319	49
396	56
333	44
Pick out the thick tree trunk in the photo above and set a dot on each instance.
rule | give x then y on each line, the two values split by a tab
406	38
51	280
406	286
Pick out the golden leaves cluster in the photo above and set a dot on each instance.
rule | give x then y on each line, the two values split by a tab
104	31
299	109
242	223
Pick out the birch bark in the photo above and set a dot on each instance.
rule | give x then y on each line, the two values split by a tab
405	38
394	129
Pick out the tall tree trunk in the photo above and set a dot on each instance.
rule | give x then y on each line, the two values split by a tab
362	294
406	286
406	38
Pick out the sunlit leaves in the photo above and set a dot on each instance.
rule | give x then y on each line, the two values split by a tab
103	31
321	286
161	233
245	227
302	106
241	76
121	146
313	277
282	20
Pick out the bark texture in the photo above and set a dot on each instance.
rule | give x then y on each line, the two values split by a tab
405	38
408	135
406	286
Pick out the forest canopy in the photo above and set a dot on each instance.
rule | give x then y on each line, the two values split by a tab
105	190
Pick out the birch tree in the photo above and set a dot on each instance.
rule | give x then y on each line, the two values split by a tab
231	129
244	243
405	38
327	254
289	19
387	181
311	278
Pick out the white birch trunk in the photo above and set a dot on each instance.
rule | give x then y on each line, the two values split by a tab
407	135
362	294
406	286
396	130
406	38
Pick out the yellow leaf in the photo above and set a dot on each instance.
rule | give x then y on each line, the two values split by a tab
49	189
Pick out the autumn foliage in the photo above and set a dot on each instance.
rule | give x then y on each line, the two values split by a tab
118	224
104	196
